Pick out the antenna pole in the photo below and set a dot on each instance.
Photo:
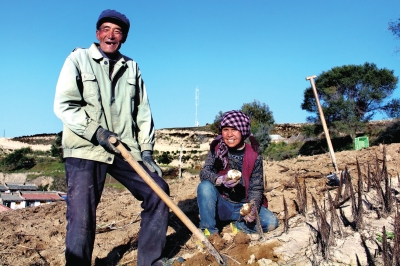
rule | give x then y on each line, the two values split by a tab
197	98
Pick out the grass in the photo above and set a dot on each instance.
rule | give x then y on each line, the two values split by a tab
113	183
281	150
192	171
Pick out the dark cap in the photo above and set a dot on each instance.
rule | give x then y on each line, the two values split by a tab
114	16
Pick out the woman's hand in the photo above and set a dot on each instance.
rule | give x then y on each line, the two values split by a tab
226	181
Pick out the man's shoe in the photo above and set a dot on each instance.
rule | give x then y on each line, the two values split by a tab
168	262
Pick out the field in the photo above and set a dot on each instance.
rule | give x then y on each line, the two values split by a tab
319	224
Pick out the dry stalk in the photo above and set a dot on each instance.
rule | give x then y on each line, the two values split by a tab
347	183
304	192
353	202
396	242
388	199
369	178
358	261
359	212
298	195
398	180
323	229
301	196
346	221
378	171
385	249
377	183
226	255
334	216
285	209
370	261
339	189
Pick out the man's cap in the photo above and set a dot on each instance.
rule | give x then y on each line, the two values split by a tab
114	16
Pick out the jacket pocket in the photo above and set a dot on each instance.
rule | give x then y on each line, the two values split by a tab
133	95
90	86
131	86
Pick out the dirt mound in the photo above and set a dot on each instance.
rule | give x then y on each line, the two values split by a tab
35	236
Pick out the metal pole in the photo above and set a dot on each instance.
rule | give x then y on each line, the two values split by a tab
180	163
322	117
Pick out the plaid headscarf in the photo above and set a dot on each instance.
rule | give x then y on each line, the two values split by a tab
237	120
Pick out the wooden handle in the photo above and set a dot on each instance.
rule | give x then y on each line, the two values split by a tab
322	117
164	197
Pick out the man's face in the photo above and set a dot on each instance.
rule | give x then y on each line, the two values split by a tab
110	36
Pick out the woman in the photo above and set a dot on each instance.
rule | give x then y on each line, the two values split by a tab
220	198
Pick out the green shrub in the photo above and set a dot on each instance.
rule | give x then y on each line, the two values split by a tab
164	158
311	130
389	135
185	158
281	150
320	146
56	149
17	160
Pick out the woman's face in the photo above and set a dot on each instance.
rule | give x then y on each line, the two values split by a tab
231	136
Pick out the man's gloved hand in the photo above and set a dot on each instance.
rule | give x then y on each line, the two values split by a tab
150	163
103	137
227	182
251	216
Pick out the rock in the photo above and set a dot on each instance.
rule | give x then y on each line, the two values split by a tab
252	259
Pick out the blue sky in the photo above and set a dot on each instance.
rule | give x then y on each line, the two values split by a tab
233	51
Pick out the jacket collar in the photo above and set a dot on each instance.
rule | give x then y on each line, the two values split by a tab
98	56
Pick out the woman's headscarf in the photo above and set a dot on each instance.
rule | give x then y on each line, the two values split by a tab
239	121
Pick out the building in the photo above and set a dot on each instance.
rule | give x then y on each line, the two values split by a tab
12	200
21	187
18	196
36	198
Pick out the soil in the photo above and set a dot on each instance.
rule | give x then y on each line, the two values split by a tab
36	235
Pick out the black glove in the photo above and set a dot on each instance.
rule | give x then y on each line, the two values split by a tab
103	137
150	163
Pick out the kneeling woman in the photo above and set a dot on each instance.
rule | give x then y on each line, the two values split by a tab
221	197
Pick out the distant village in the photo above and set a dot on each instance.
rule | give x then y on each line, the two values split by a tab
21	195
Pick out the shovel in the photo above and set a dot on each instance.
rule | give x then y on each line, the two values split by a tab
333	179
164	197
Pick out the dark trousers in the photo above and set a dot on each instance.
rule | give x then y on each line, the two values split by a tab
85	181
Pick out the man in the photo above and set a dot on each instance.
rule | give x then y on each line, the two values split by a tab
100	93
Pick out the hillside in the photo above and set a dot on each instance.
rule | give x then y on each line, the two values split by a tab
35	236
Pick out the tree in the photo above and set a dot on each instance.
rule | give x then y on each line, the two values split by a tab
394	27
259	114
262	122
56	149
215	124
351	95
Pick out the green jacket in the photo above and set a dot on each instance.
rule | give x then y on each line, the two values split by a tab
86	98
